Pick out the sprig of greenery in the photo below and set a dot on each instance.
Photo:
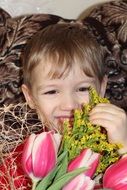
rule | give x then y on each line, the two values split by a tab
83	134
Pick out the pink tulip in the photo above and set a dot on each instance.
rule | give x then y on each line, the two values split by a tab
88	159
81	182
115	176
40	154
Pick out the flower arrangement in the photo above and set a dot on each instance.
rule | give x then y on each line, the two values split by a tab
48	172
82	146
67	162
85	135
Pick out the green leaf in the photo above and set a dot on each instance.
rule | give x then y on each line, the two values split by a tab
61	157
66	178
46	181
63	167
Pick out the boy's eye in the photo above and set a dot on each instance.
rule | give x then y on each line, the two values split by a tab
51	92
83	89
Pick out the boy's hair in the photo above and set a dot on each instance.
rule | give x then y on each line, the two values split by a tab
63	45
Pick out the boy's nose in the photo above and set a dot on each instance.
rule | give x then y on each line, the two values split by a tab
69	103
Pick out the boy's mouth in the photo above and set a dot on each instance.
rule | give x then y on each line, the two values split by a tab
64	118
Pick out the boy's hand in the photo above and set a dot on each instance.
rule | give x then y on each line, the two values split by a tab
114	120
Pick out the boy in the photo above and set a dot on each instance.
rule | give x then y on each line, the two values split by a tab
60	64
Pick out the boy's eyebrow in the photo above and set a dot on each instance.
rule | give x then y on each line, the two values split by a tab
43	86
87	80
90	80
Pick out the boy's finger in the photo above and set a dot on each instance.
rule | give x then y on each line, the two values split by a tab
107	108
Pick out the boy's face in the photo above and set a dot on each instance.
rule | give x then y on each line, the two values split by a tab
57	98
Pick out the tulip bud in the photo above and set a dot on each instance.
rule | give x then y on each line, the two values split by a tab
88	159
115	177
80	182
40	154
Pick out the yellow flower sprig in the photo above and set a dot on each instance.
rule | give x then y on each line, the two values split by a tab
83	134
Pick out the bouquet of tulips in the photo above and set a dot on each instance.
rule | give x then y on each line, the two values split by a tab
49	172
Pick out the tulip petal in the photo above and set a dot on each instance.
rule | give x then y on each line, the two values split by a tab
116	175
43	154
26	156
80	182
93	164
87	158
57	140
89	184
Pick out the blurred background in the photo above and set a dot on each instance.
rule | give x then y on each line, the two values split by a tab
70	9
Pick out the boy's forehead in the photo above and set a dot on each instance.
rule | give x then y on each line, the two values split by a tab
75	76
50	68
44	66
45	70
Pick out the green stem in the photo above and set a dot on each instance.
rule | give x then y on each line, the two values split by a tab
34	185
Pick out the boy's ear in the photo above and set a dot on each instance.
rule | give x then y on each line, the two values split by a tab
103	86
28	96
